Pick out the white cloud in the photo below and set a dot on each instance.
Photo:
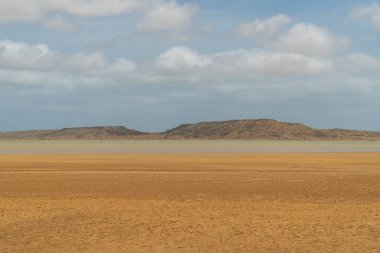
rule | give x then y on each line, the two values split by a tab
181	59
38	65
184	62
309	39
23	56
18	60
168	16
163	16
269	63
158	15
96	8
266	26
19	55
237	62
36	10
371	12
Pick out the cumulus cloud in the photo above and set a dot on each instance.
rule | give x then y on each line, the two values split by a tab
235	62
234	68
19	55
24	56
309	39
169	17
269	63
158	15
371	12
181	59
95	8
266	26
45	66
35	10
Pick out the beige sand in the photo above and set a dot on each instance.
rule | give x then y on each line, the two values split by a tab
190	203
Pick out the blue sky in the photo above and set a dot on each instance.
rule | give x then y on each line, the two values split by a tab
154	64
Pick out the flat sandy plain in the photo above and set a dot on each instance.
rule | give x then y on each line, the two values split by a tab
187	146
190	202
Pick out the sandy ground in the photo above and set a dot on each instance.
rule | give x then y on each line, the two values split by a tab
190	203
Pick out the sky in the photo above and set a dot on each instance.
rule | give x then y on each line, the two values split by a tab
154	64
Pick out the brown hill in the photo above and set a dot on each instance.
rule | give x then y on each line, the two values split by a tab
261	129
81	133
264	129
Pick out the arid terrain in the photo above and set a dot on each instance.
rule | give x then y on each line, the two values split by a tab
316	202
258	129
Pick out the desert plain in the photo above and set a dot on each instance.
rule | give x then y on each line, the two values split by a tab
190	202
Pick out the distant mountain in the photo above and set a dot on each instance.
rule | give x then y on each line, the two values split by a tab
81	133
261	129
264	129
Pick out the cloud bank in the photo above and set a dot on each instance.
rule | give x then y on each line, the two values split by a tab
156	15
304	51
370	12
266	26
171	57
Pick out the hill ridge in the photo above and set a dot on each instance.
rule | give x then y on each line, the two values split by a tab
245	129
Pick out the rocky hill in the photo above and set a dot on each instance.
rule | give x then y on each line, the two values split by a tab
261	129
81	133
264	129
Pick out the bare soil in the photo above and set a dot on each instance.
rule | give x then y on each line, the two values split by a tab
190	203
